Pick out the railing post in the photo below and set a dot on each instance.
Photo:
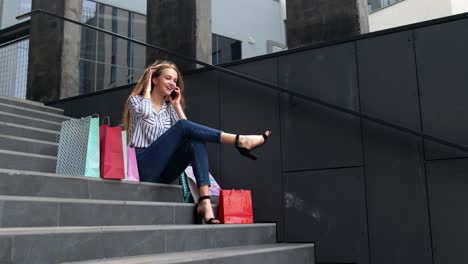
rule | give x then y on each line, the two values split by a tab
310	22
54	51
180	26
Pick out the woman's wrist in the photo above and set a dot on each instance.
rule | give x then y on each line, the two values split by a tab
176	105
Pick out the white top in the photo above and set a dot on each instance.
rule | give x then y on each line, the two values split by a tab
146	125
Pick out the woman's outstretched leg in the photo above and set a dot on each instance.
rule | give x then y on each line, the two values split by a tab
191	130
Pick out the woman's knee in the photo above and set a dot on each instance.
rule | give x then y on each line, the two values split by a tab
182	122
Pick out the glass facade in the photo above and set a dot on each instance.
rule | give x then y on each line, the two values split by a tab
225	49
107	61
14	68
375	5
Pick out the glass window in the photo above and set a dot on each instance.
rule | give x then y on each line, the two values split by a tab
375	5
108	61
225	49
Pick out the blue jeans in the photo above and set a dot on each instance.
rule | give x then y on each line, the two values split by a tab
167	157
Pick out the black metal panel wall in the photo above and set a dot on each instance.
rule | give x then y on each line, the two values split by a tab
363	192
388	83
328	207
394	161
442	54
201	95
248	108
330	137
327	73
396	197
447	185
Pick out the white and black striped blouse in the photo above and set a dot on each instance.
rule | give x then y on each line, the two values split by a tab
146	125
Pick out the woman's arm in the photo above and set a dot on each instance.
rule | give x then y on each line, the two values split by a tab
141	106
147	92
180	111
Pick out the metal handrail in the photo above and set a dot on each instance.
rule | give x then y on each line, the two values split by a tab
14	33
263	83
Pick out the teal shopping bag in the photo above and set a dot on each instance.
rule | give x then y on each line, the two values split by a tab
92	154
78	152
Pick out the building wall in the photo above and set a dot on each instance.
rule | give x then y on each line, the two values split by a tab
459	6
409	12
11	9
261	21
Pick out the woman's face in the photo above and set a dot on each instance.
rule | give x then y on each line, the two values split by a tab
166	82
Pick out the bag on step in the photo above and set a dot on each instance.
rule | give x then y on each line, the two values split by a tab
111	152
130	162
235	207
78	152
214	188
187	196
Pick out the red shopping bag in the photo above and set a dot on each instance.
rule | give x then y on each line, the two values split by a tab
111	152
235	207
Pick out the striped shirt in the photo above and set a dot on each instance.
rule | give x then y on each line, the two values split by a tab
146	125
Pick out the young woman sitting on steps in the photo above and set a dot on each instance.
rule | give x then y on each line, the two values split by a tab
166	142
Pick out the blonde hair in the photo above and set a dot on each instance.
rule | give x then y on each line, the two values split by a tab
158	66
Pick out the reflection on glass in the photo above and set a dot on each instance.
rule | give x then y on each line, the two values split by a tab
108	61
375	5
225	49
14	68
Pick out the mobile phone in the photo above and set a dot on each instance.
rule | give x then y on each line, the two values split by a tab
173	95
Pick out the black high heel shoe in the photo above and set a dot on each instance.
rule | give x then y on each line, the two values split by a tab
212	219
246	152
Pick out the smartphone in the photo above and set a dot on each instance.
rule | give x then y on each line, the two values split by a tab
173	95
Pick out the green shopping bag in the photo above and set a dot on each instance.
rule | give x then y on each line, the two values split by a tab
78	152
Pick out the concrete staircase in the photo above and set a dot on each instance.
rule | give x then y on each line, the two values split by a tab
49	218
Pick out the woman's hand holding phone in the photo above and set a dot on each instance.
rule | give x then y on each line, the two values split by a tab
175	96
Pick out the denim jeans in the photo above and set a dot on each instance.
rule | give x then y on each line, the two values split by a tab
167	157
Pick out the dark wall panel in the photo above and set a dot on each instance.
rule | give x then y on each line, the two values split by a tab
201	95
111	104
448	184
388	84
328	207
327	73
331	138
315	137
441	58
248	108
396	197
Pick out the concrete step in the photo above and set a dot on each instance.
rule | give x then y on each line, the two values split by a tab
61	244
27	112
29	132
279	253
24	161
30	105
36	184
32	146
46	211
29	121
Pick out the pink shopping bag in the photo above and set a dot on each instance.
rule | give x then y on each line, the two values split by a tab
132	166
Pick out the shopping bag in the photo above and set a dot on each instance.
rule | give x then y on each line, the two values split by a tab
214	188
129	158
235	207
111	152
78	152
187	196
132	166
124	150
